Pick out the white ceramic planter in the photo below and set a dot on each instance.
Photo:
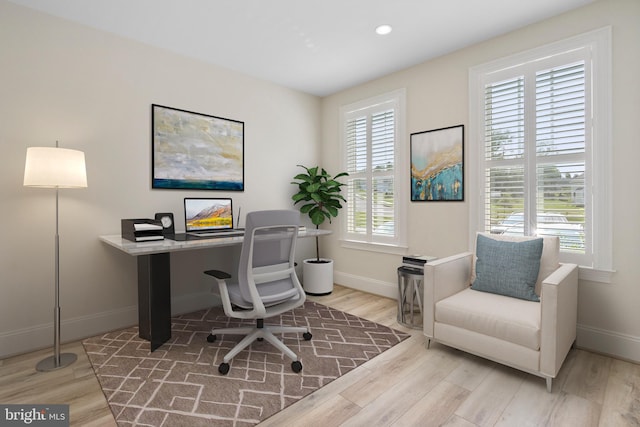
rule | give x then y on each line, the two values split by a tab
317	278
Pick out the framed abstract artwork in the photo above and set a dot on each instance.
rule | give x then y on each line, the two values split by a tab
196	151
437	165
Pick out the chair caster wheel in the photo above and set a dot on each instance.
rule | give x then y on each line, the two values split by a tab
307	336
211	338
260	339
223	368
296	366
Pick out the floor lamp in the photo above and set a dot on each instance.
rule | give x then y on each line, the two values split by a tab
57	168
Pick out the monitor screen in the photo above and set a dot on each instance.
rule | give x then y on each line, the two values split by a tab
208	214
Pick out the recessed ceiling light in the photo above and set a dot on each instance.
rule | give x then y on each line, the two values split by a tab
383	29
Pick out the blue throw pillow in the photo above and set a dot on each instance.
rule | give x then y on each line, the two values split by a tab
508	268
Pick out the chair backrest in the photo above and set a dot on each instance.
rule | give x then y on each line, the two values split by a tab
268	255
549	261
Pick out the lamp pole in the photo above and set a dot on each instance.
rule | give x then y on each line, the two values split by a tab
55	167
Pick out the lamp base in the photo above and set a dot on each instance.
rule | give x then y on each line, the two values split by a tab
49	364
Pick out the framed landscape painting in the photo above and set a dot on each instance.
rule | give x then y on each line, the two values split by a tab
196	151
437	164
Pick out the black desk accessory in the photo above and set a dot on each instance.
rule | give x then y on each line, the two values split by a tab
141	229
166	219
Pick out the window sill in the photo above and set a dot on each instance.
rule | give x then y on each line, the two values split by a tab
595	275
374	247
584	273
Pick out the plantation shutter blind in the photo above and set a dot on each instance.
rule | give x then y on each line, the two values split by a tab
382	167
560	149
534	141
504	150
370	158
357	154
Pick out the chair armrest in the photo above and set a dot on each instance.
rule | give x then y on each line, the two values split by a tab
559	312
218	274
443	278
222	277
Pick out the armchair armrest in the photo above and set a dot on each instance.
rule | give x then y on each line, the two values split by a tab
442	278
559	312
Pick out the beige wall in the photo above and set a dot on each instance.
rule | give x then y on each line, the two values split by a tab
437	96
93	92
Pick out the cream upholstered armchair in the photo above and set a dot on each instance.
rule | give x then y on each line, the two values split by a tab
511	301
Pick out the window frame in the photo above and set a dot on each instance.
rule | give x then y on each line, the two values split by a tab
597	44
368	241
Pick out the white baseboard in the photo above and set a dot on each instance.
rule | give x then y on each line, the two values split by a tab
622	346
25	340
366	284
19	341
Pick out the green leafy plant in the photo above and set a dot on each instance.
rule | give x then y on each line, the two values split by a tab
320	196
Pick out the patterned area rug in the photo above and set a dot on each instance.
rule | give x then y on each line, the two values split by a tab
179	384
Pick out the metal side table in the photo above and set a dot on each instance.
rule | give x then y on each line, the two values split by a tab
410	296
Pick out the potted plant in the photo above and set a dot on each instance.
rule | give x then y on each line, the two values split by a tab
320	196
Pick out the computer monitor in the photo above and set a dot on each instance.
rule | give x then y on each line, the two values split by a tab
206	214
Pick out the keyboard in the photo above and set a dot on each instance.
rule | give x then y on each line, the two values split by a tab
225	233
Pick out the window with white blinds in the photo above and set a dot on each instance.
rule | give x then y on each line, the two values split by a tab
535	122
370	141
537	187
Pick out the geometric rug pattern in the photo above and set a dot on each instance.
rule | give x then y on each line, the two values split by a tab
179	384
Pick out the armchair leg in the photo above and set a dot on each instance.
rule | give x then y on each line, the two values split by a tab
549	381
428	343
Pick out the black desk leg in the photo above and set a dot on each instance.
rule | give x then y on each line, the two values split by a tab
154	298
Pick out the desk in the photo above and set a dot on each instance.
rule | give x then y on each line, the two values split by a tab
154	277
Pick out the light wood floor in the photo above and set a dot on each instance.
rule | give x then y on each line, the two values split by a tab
407	385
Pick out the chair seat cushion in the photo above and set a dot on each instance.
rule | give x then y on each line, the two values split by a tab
271	293
510	319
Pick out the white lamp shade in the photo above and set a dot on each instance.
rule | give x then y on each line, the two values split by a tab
55	167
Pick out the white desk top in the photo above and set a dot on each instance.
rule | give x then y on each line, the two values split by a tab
167	245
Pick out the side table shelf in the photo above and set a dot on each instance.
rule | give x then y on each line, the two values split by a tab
410	296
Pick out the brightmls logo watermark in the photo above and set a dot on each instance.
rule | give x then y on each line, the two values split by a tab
34	415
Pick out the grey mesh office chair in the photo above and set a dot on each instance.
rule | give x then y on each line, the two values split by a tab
267	284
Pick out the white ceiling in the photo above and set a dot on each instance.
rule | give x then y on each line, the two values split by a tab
319	47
